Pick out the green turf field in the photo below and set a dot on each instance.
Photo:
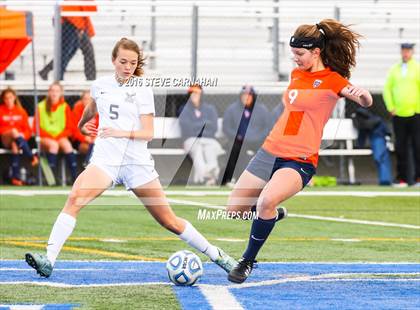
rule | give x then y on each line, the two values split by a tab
118	228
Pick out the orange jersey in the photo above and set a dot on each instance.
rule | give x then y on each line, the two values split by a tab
308	103
77	115
81	22
14	118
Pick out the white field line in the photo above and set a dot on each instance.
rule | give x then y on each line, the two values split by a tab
335	219
362	194
210	263
334	277
193	193
259	263
22	307
65	285
311	217
331	277
65	269
219	297
195	203
326	275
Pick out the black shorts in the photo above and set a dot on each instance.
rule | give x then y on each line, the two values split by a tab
263	165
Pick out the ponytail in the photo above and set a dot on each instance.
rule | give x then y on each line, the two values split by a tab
339	44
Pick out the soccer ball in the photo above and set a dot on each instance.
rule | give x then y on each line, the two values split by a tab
184	268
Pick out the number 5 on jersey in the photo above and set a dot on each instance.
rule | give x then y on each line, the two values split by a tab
113	111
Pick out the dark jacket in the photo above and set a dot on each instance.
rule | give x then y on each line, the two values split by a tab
258	127
203	126
368	124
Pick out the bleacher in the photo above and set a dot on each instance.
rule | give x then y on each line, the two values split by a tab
235	44
235	40
168	129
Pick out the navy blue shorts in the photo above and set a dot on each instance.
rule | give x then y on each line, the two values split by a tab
263	165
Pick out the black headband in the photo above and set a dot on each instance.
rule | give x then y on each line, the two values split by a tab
307	42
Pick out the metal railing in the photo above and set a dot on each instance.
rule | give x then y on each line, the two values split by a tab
211	37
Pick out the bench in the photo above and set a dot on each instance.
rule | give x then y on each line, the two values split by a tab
341	130
336	130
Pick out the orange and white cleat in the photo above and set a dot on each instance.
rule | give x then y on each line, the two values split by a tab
35	161
17	182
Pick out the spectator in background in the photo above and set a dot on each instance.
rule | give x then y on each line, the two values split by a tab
276	112
76	32
83	143
15	131
198	121
372	126
246	123
56	127
402	99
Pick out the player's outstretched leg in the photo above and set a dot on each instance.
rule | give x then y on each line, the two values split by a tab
195	239
244	196
284	183
153	197
90	184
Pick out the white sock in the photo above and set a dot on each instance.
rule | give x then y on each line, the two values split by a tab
62	229
191	236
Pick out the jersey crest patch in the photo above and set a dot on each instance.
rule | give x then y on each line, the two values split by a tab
130	97
316	83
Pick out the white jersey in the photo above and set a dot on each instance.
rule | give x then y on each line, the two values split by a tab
120	107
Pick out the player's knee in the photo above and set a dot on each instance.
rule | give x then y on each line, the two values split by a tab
14	148
67	149
53	148
267	203
75	200
83	148
15	133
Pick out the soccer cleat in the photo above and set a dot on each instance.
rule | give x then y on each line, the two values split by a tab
225	261
35	160
241	271
16	182
282	213
399	183
40	263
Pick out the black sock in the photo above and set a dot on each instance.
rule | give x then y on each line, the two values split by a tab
15	166
89	153
23	145
71	163
52	160
280	212
260	230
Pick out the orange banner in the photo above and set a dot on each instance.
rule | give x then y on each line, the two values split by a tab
15	33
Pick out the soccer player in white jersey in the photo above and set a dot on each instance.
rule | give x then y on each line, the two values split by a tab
120	156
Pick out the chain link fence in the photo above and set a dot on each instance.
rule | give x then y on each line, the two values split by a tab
229	43
225	43
235	42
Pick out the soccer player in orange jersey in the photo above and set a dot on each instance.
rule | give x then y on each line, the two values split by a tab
15	132
324	54
84	144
